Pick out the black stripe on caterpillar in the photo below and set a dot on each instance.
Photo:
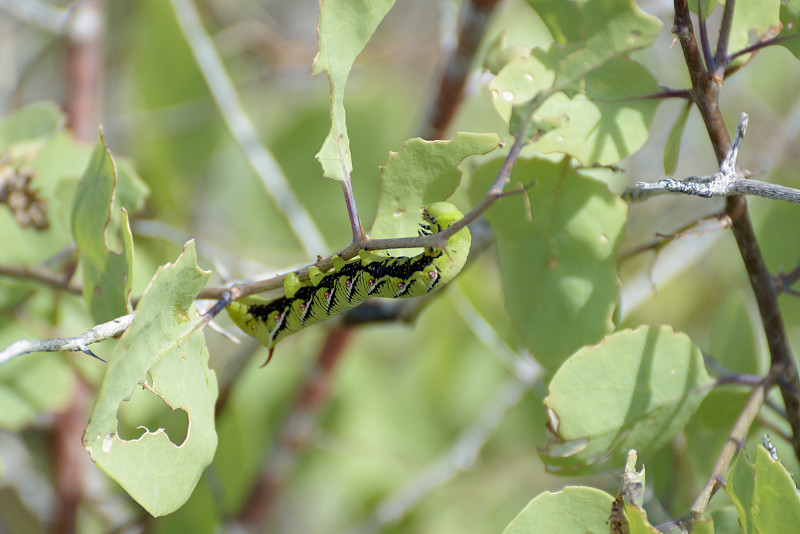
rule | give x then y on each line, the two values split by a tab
354	281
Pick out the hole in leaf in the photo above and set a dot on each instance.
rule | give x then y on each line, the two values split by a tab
147	412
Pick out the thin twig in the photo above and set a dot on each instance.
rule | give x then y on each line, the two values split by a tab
763	44
684	231
735	441
42	275
69	344
243	130
704	37
43	15
727	181
722	43
435	240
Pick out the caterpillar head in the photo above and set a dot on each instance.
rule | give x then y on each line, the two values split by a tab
440	216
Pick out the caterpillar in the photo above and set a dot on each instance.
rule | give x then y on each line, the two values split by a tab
354	281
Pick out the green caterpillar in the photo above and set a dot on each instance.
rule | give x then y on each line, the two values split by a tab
352	282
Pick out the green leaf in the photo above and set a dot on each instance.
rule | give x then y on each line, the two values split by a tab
161	351
764	494
420	173
573	510
602	124
107	275
559	270
790	19
498	55
29	126
635	390
673	146
598	30
753	18
345	26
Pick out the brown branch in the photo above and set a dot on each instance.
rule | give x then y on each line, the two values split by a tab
42	275
85	70
722	43
295	434
762	44
705	93
450	91
704	36
729	450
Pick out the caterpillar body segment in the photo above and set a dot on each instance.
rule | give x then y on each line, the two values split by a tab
351	282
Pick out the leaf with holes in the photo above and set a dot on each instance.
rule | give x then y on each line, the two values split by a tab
420	173
159	351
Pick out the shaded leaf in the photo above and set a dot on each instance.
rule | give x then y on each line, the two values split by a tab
107	275
159	350
345	26
790	19
559	269
635	390
573	510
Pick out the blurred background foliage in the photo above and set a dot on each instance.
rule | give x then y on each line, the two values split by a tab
402	396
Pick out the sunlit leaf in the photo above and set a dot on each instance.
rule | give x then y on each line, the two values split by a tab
764	494
603	123
635	390
160	351
573	510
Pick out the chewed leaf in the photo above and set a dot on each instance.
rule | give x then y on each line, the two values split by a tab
420	173
159	350
107	275
573	510
635	390
345	26
764	494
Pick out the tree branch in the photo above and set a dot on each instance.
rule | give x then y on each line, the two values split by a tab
450	92
727	181
705	93
69	344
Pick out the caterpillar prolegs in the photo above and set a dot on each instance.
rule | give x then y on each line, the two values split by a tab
354	281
